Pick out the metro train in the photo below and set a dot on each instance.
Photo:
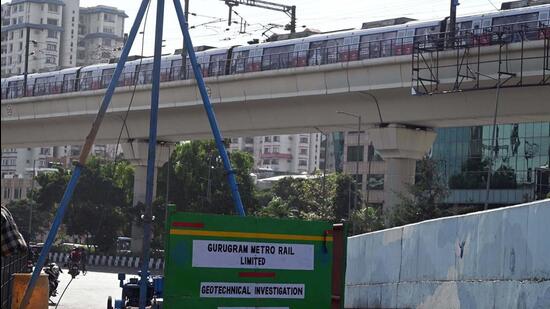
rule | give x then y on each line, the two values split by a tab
533	23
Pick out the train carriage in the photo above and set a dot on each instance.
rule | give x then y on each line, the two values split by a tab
514	25
97	76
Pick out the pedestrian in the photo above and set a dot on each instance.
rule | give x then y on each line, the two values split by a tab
12	241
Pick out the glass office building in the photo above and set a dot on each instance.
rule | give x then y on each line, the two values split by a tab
520	167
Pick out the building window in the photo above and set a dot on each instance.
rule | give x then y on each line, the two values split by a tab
303	151
52	21
51	47
52	34
275	149
266	150
274	162
304	140
20	46
276	138
20	19
355	153
109	17
19	58
375	182
267	139
358	179
21	34
50	59
302	162
53	7
7	193
108	29
266	162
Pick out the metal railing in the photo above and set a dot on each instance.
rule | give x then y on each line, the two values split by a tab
470	70
301	58
10	265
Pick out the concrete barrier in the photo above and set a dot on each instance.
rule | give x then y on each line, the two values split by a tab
493	259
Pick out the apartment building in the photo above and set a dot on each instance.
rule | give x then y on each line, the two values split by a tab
283	154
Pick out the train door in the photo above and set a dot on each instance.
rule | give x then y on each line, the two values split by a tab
176	69
145	74
301	54
106	76
86	80
348	52
388	43
216	65
333	51
69	83
238	62
317	53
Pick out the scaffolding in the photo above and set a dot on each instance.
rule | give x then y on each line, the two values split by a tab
496	57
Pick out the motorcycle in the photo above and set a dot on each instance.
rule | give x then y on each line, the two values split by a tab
53	271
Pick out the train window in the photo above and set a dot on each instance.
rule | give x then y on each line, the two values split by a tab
238	64
15	89
515	24
427	35
216	66
544	18
69	82
279	57
106	76
86	80
43	85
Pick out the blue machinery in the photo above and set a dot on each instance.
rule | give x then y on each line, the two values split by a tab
144	282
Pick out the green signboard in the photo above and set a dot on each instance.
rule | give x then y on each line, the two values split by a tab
215	261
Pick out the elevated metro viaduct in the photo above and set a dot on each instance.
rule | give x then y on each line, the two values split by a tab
296	100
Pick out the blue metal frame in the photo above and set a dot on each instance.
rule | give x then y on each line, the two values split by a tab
208	108
78	168
151	156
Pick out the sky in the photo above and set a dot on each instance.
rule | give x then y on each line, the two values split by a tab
324	15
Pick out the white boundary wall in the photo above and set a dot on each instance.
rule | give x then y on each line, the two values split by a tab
492	259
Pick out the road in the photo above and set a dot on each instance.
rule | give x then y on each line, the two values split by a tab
90	291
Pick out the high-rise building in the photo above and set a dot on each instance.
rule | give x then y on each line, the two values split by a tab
100	34
61	35
283	154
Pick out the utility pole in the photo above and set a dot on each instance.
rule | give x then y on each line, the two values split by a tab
26	72
325	162
184	50
32	201
289	10
356	198
452	23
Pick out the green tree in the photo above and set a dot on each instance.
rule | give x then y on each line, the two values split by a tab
100	204
198	181
425	197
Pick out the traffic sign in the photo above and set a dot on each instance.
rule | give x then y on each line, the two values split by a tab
216	261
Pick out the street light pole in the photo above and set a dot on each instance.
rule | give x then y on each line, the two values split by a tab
356	199
324	162
26	72
32	201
